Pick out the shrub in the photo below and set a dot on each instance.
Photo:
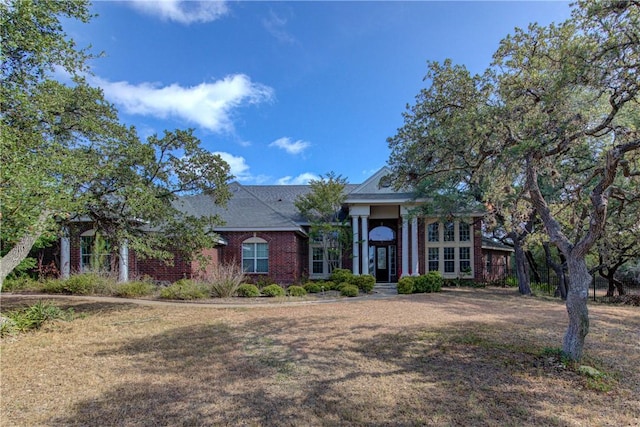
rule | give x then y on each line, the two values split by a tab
134	289
339	286
312	287
33	317
430	282
273	291
296	291
365	282
329	285
405	285
264	281
340	275
184	289
248	290
81	284
22	283
224	280
349	290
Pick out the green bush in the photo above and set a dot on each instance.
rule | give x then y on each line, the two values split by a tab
264	281
329	285
405	285
312	287
349	290
184	289
430	282
33	317
22	283
134	289
340	275
248	290
511	281
296	291
364	282
81	284
339	286
273	291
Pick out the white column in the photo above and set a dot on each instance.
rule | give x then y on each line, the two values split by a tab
123	262
405	246
356	245
65	254
415	262
365	245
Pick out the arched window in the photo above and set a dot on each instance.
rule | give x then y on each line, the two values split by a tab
381	234
255	255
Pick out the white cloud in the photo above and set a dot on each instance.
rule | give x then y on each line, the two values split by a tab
208	104
238	165
291	147
276	26
184	12
301	179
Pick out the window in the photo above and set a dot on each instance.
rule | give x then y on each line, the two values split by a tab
465	258
255	255
433	232
95	252
449	260
449	232
434	259
449	248
319	246
464	232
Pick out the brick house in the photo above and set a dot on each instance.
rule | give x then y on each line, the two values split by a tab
264	232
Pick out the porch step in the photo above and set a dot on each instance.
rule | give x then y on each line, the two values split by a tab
385	288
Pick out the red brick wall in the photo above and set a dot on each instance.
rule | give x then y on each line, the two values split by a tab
288	260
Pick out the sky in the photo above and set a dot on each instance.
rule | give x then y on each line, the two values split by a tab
288	91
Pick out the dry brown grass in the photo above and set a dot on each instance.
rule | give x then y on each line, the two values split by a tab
462	357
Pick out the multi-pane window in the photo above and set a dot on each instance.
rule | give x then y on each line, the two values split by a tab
449	260
95	252
255	256
450	248
464	258
434	259
464	231
317	261
433	232
449	232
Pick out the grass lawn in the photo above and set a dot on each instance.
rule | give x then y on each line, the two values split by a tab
467	357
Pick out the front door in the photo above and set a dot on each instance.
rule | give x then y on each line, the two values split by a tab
382	264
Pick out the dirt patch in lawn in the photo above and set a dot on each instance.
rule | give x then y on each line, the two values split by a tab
460	357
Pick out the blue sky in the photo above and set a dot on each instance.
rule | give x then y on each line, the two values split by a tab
287	91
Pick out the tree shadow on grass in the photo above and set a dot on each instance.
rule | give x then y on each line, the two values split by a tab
283	371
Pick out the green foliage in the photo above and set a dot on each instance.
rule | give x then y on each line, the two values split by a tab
48	173
406	285
32	317
296	291
263	281
430	282
248	290
511	281
329	285
184	289
134	289
273	291
349	290
312	287
340	275
21	283
364	282
81	284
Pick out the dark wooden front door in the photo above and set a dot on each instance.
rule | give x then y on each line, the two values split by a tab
382	263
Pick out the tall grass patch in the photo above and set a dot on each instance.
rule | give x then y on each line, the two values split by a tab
32	317
224	280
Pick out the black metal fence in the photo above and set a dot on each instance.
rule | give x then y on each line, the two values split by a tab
547	282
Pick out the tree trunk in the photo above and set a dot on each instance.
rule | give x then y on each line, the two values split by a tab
16	255
579	281
561	290
533	267
524	283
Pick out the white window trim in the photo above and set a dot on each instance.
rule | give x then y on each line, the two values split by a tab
254	241
456	244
